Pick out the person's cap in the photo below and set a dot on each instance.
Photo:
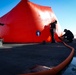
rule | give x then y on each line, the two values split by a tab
65	30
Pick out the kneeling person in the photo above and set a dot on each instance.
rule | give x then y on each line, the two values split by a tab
68	36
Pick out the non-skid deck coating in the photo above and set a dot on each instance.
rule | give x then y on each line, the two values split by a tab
16	59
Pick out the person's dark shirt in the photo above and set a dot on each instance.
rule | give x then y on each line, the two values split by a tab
53	25
69	34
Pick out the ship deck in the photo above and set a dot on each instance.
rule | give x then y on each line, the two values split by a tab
17	58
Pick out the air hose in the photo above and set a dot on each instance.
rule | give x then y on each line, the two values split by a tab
55	70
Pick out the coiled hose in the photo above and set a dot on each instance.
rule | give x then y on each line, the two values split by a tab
55	70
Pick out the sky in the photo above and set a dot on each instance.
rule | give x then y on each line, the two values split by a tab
65	10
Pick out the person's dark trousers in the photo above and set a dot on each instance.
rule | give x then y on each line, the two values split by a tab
52	35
